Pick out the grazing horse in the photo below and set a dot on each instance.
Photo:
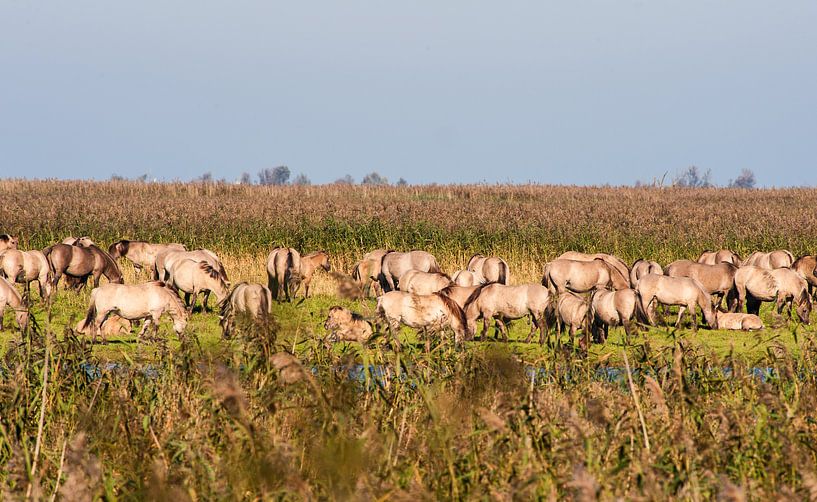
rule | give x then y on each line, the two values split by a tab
504	303
24	267
344	325
395	264
720	256
193	277
612	308
792	287
133	302
254	300
572	311
142	254
80	263
717	280
612	260
490	269
467	278
9	296
367	271
167	258
283	271
643	267
563	275
682	291
460	294
425	312
807	265
738	321
423	283
780	258
7	242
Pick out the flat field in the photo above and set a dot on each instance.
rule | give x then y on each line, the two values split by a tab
278	411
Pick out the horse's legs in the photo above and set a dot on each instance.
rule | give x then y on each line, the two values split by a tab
534	325
306	287
484	335
502	328
2	311
393	333
681	311
205	301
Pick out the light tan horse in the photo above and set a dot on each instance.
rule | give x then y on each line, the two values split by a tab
792	287
25	267
504	303
738	321
467	278
424	312
7	242
685	292
720	256
344	325
807	265
283	272
148	301
423	283
165	260
643	267
612	308
394	264
193	277
781	258
140	253
9	296
563	275
367	271
612	260
572	312
753	285
113	326
254	300
717	280
490	269
460	294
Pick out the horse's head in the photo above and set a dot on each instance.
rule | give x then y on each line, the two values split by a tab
118	249
804	308
7	242
324	263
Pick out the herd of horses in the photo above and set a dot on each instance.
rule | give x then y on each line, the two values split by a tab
578	291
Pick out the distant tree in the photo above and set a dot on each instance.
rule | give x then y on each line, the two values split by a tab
245	179
402	182
301	179
275	176
346	180
692	177
746	179
144	178
204	178
374	178
116	177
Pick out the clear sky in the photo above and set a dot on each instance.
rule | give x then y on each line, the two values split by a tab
575	91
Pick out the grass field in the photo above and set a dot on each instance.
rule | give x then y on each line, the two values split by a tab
278	412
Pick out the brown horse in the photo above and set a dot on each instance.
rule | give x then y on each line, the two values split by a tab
807	266
80	263
309	264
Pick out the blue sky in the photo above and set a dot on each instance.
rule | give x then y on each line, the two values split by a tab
579	92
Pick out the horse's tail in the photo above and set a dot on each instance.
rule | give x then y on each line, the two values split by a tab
790	255
504	273
266	302
434	267
546	276
90	315
47	254
356	272
640	313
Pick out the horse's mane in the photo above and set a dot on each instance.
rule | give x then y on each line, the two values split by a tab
209	270
453	308
473	296
636	262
